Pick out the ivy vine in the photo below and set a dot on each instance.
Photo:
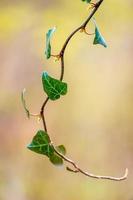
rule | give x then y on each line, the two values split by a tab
55	89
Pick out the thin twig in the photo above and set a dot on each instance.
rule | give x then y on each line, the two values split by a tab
80	27
78	169
42	114
85	31
61	56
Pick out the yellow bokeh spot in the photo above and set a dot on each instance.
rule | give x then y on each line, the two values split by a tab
12	20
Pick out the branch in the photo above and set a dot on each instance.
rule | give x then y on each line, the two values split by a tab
78	169
61	56
42	113
82	27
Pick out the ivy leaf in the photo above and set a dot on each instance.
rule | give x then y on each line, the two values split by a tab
98	37
41	144
48	44
61	149
53	87
56	160
87	1
24	103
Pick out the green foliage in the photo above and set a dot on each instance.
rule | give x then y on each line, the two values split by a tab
41	144
53	87
87	1
98	37
48	44
24	103
61	149
56	160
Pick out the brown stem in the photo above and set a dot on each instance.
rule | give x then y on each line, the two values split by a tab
47	99
78	169
80	27
42	114
61	55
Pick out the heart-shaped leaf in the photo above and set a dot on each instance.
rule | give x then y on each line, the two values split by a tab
98	37
24	103
53	87
41	144
48	44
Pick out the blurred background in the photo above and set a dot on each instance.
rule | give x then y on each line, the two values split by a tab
94	120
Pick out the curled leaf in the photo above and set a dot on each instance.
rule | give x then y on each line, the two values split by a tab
55	158
24	103
99	39
48	42
53	87
61	149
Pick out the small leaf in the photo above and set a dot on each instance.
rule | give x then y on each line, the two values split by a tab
56	160
53	87
48	44
41	144
61	149
87	1
98	37
24	103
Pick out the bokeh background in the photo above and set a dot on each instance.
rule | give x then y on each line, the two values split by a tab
94	120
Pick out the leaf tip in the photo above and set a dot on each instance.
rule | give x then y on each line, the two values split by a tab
99	39
28	146
45	74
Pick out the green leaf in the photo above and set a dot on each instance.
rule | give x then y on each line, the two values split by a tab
24	103
98	37
61	149
48	44
56	160
87	1
41	144
53	87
